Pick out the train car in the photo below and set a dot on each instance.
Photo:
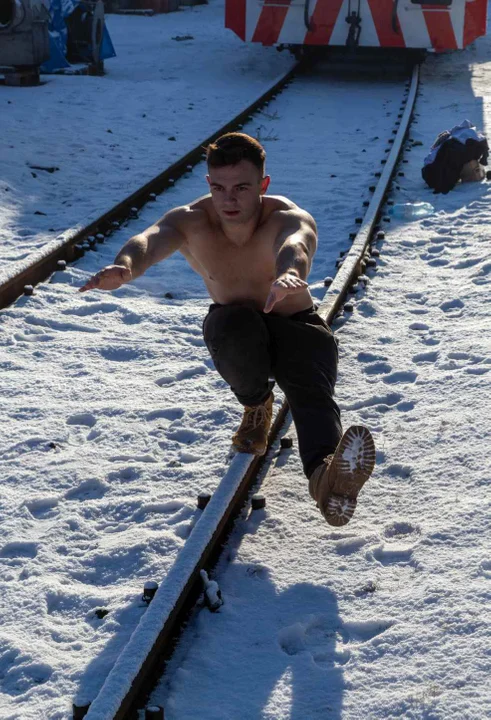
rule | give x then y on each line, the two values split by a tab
436	26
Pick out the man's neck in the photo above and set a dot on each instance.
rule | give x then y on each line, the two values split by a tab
241	234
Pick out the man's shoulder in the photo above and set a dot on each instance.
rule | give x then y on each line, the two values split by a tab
285	213
189	215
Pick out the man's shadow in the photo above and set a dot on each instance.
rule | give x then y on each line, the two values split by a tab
266	654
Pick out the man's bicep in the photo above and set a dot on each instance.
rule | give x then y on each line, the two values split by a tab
300	234
164	238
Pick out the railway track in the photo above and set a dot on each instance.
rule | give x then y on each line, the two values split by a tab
129	682
126	689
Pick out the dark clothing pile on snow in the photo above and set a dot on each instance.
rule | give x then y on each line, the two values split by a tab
450	152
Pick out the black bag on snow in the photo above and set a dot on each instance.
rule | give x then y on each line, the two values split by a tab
450	152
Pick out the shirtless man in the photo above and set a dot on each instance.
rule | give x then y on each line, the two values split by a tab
254	253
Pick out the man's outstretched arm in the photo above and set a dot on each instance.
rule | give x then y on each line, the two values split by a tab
141	251
295	247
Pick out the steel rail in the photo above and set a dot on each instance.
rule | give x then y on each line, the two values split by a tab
152	641
37	266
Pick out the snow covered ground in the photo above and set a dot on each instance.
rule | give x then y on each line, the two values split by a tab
388	617
113	418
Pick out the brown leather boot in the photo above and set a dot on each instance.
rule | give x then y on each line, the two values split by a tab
335	484
252	435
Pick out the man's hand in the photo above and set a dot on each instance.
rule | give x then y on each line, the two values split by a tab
109	278
285	285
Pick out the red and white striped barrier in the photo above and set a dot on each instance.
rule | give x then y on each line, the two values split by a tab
438	26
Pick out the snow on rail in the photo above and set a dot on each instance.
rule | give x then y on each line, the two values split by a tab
128	665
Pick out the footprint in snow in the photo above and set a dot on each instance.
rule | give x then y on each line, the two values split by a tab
21	673
42	508
350	545
405	406
427	357
87	490
19	550
438	262
471	364
376	400
400	529
35	337
403	376
391	554
467	263
165	414
184	435
452	306
327	639
86	419
377	368
60	326
366	357
477	370
418	297
123	354
398	470
481	277
183	375
94	308
187	457
366	309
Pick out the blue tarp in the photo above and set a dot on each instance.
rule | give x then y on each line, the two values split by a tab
59	10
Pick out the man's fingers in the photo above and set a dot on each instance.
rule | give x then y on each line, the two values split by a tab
291	282
109	278
270	302
91	284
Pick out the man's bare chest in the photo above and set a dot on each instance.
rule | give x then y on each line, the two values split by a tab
220	260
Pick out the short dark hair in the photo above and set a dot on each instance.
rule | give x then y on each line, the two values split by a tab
233	147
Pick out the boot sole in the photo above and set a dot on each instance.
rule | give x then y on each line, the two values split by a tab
351	466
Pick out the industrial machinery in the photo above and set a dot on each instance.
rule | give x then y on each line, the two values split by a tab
24	39
299	24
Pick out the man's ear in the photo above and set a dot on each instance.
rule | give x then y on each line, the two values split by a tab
265	183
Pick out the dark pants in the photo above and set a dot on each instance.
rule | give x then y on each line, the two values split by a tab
249	347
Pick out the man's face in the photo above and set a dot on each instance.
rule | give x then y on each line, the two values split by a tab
236	191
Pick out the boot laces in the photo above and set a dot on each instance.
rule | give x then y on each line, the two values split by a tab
254	417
